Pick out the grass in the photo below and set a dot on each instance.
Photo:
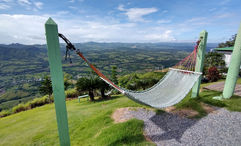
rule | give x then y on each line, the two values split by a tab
239	81
206	96
89	124
192	103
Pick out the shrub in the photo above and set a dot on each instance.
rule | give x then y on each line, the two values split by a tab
29	105
140	81
32	104
39	101
71	93
5	113
20	108
213	74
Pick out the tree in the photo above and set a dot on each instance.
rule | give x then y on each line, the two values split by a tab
46	87
114	74
88	84
214	59
145	83
130	81
140	81
228	43
102	86
67	81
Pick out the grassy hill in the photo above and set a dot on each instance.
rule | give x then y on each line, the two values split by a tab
89	124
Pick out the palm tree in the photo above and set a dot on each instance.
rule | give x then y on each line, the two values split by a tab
103	86
88	84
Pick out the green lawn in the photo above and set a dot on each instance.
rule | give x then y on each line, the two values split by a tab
206	96
89	124
239	81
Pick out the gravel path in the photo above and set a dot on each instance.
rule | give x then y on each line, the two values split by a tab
221	127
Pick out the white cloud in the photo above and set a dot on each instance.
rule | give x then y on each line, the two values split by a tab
224	2
21	28
121	7
223	15
39	5
165	11
30	5
160	37
24	2
212	9
7	1
62	13
72	1
29	29
136	14
4	6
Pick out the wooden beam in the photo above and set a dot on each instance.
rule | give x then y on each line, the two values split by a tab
57	79
200	61
234	68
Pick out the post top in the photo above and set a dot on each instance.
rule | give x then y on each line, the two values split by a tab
50	21
203	31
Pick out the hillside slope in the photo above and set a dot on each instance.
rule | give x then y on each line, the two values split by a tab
89	124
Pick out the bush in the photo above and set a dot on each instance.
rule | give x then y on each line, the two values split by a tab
29	105
39	102
20	108
213	74
5	113
140	81
32	104
71	93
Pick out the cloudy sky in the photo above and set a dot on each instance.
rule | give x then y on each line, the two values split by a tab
22	21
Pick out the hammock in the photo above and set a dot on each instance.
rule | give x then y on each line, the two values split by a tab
170	90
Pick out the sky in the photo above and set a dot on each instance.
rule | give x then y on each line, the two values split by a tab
22	21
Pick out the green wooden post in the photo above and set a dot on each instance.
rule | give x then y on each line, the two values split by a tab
200	61
233	69
57	78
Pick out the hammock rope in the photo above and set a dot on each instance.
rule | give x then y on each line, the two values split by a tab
171	89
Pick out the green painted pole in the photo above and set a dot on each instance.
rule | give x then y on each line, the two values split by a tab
57	78
234	68
200	61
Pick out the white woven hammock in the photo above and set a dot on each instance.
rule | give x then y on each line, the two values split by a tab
170	90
